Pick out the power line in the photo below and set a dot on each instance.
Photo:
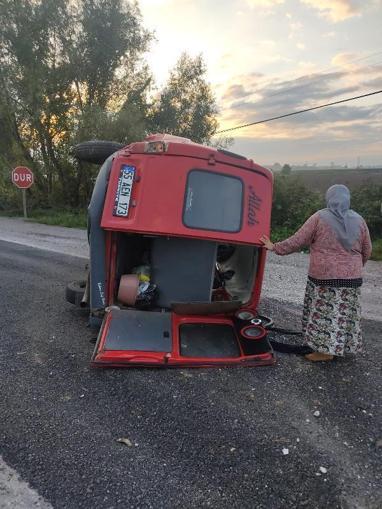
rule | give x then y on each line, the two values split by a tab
299	111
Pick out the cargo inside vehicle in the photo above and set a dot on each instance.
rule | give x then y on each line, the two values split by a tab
187	270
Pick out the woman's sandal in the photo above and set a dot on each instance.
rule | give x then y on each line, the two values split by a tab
319	357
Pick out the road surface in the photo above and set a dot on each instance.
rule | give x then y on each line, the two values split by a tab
199	438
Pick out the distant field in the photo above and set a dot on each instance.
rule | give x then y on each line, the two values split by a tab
320	180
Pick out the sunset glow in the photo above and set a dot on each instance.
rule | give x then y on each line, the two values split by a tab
269	57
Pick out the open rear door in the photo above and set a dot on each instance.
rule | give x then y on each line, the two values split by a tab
134	337
131	338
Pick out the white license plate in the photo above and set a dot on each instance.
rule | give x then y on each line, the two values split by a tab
123	195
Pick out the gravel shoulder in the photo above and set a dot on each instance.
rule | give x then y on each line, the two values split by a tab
70	241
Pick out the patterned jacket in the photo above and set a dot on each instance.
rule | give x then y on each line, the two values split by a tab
328	258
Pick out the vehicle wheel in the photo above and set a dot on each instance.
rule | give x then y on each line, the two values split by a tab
75	292
96	151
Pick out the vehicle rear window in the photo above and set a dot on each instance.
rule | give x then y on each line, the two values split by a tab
213	201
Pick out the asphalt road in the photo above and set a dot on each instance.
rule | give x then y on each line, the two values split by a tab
200	438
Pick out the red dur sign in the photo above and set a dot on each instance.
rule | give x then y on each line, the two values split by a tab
22	177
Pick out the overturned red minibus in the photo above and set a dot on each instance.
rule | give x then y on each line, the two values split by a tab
176	263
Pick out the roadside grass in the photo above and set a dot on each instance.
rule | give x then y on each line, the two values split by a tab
68	218
377	250
54	217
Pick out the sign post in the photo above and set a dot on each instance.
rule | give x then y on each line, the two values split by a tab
24	202
22	177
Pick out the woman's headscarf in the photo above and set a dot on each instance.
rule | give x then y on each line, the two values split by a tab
345	222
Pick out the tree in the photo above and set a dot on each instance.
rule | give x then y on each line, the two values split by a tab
293	203
60	64
367	201
286	169
73	71
186	106
106	52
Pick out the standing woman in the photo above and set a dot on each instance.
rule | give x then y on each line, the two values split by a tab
340	245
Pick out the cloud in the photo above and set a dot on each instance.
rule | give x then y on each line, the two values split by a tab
356	63
153	3
296	33
280	100
266	44
266	4
236	92
369	69
375	83
250	99
337	117
307	67
241	86
295	29
277	95
329	34
264	7
336	10
323	147
345	60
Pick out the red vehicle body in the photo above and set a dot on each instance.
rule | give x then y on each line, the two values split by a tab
195	215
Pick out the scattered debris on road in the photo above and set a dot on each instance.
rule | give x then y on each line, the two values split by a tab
125	441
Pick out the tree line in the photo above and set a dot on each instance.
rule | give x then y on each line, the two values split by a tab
74	71
293	203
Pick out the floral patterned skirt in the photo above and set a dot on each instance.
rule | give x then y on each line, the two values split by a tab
331	321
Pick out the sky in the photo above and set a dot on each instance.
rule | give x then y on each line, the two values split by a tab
269	57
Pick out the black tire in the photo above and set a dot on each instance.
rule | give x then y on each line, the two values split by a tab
96	151
75	291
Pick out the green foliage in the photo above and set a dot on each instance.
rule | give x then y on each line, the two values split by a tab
280	233
367	201
186	106
8	192
293	203
377	250
286	169
74	71
107	50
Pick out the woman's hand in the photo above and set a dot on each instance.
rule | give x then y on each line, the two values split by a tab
267	243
